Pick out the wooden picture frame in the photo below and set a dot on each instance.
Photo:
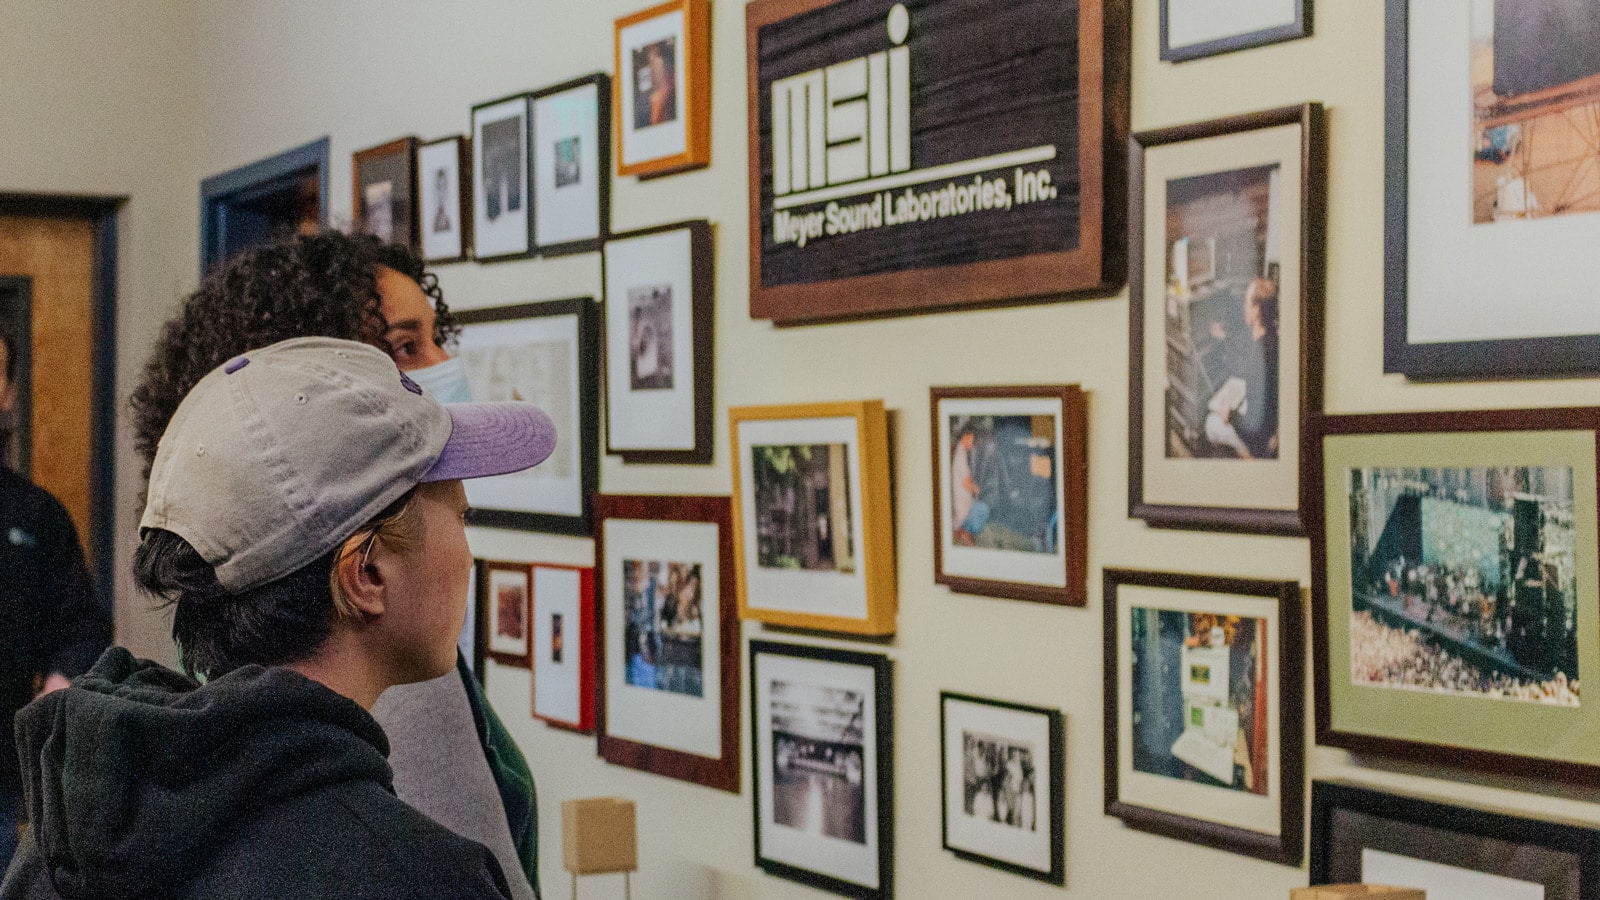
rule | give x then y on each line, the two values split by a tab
1200	456
562	652
383	188
679	719
1184	40
794	689
1024	437
548	353
1178	792
659	289
444	199
1454	574
1026	200
570	165
502	183
663	130
840	578
505	594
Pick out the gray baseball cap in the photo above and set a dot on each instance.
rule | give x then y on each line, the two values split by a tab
277	457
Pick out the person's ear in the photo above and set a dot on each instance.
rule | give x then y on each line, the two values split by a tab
360	578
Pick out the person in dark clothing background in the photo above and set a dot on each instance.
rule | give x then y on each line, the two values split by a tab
52	625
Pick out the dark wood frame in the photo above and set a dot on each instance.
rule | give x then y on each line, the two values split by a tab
1331	797
476	171
1299	28
1094	269
1573	419
582	633
1287	846
588	388
702	269
1074	499
1313	261
1055	765
602	83
407	146
696	54
723	773
18	291
463	190
883	700
486	617
1568	355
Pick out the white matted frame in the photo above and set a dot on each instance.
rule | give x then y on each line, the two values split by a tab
506	629
1194	29
502	192
572	165
562	657
444	190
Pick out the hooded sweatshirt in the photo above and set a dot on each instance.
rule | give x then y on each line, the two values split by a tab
141	783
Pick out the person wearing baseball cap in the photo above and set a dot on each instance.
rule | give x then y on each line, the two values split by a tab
305	523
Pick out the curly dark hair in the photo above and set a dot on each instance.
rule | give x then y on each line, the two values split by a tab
319	285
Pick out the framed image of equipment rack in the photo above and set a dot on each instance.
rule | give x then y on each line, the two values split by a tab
384	186
502	220
562	649
1225	319
571	182
444	192
663	89
1195	29
915	157
1455	588
813	530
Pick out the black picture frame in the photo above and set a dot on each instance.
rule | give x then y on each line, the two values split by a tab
452	152
601	83
1299	28
522	168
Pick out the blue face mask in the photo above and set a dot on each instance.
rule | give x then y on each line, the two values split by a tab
445	382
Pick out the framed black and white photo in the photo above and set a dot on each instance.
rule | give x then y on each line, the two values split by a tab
659	374
1003	767
822	726
545	354
1194	29
507	634
384	183
444	190
572	166
502	205
663	90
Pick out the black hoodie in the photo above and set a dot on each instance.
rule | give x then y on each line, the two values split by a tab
141	783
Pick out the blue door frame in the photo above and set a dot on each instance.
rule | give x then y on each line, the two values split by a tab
230	219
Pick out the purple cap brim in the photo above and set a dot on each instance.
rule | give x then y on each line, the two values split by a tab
493	439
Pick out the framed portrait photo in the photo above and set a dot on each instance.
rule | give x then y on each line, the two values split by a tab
562	653
814	540
1225	309
572	166
1011	492
506	628
1003	767
444	189
1195	29
1490	189
668	699
1203	681
1363	835
1455	588
502	217
659	321
546	354
663	89
384	182
823	732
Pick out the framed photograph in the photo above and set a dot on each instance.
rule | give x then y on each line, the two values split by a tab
507	631
1195	29
663	89
572	166
659	318
444	173
1455	588
546	354
1490	190
823	732
1204	716
384	183
668	699
910	158
1003	767
1456	852
562	654
1011	489
812	515
471	641
502	221
1225	308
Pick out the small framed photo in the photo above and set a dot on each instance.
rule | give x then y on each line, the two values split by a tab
812	516
502	218
659	372
668	701
823	732
572	166
1203	681
546	354
1362	835
1455	589
507	632
562	657
1011	492
1226	275
444	173
384	182
1003	768
1195	29
663	89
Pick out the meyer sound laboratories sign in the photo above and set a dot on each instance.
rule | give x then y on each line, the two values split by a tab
930	154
